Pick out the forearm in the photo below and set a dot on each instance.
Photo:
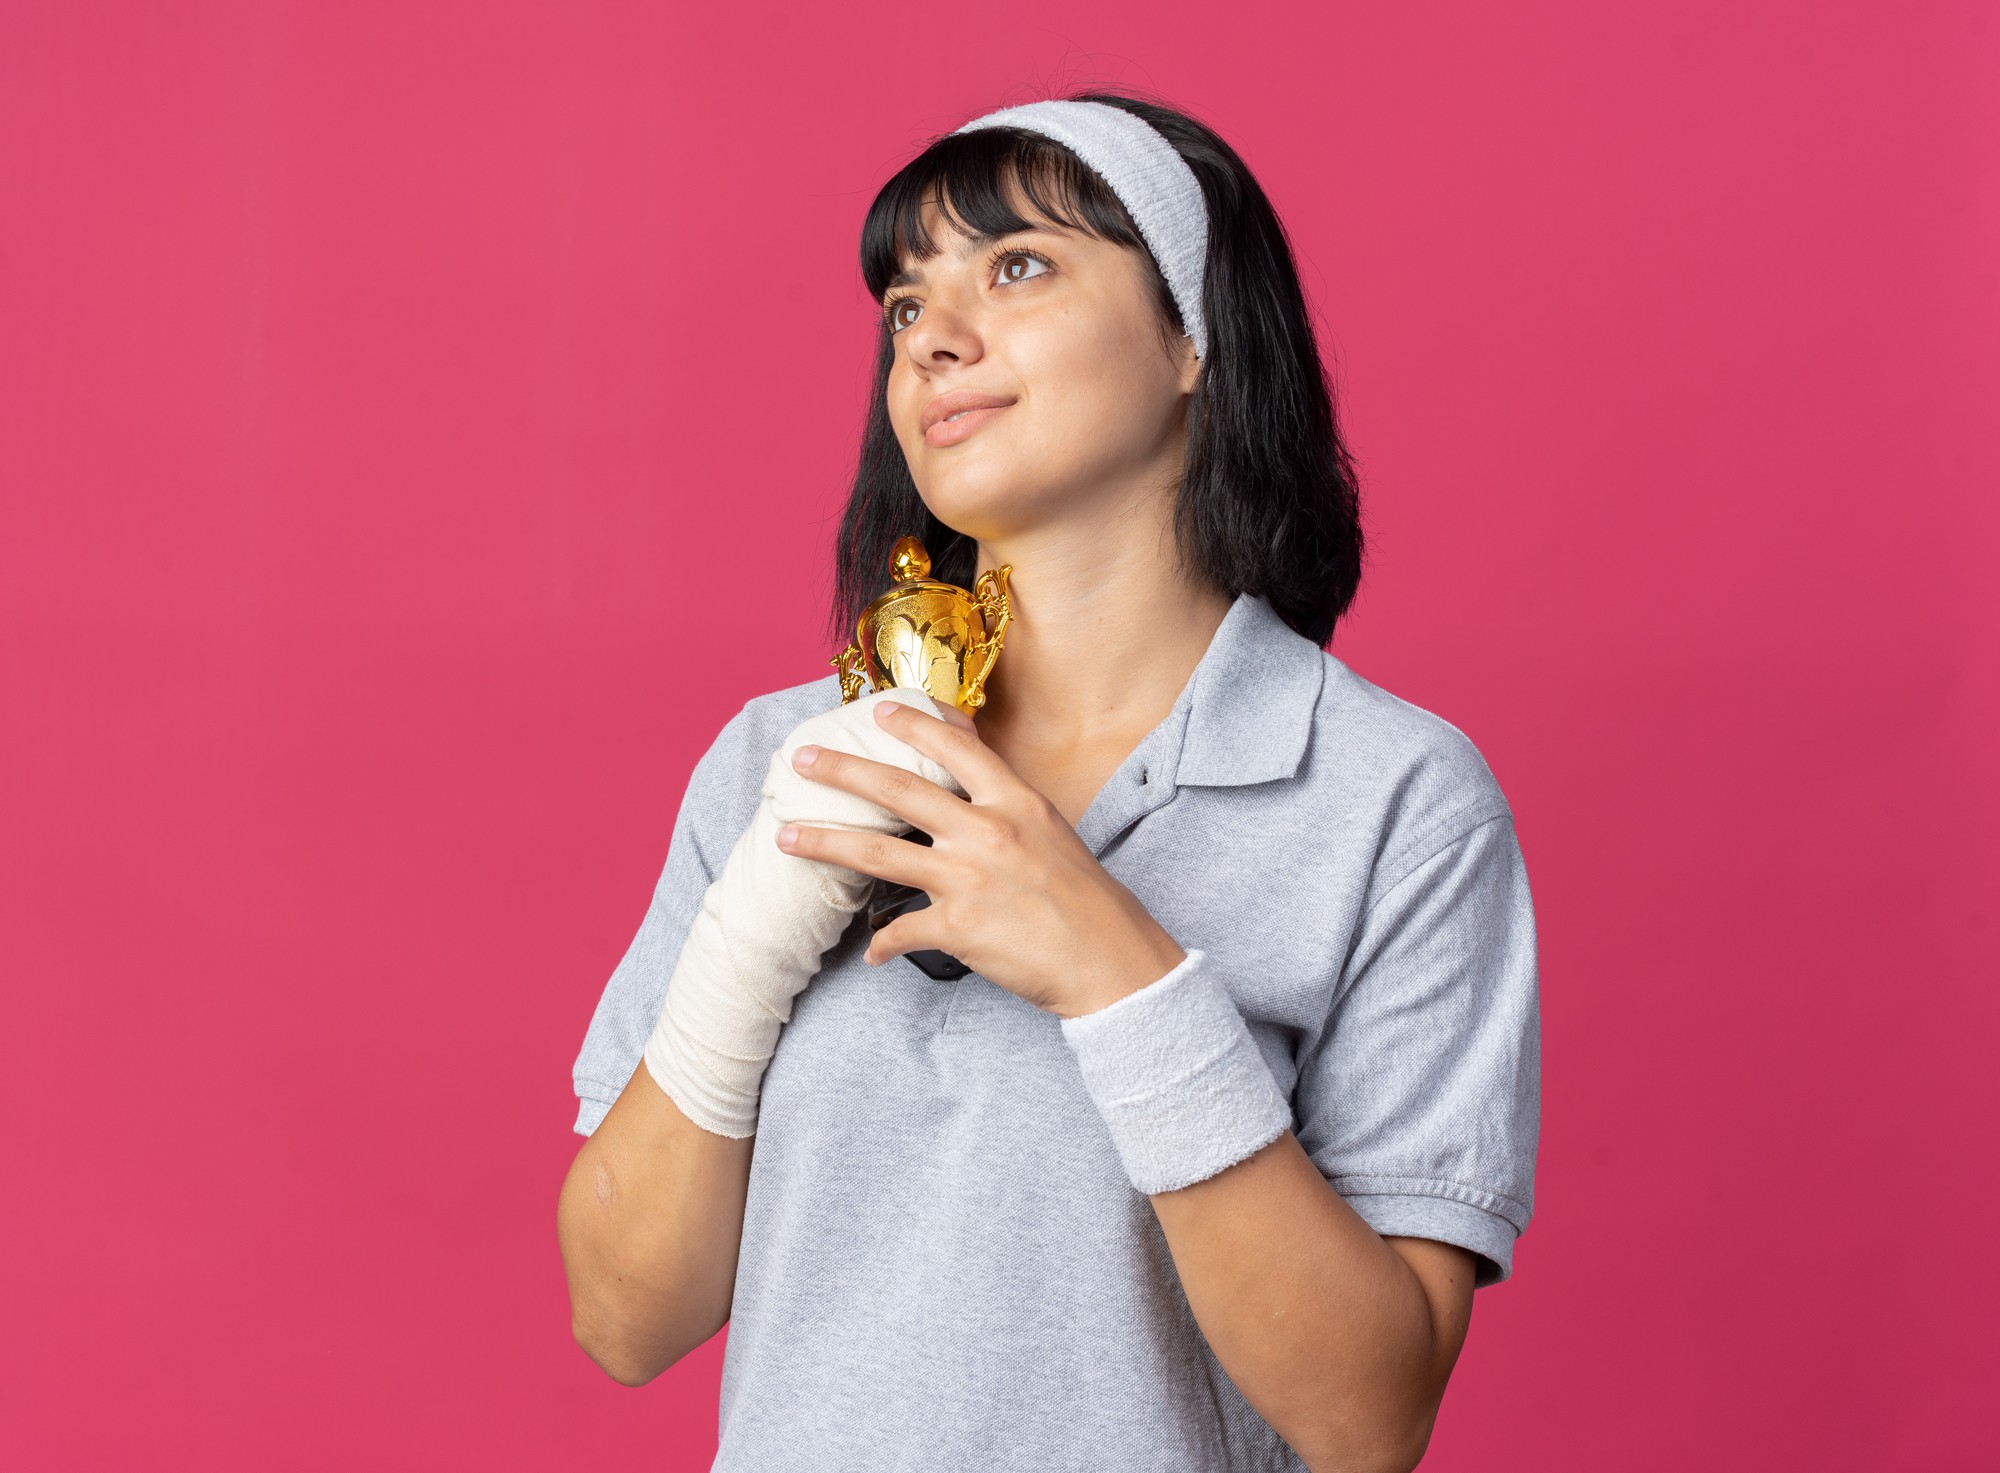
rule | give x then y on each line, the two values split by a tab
650	1223
1322	1326
651	1214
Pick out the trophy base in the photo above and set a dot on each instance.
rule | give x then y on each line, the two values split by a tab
890	901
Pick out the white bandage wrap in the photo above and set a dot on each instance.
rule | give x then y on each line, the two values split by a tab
768	919
1150	178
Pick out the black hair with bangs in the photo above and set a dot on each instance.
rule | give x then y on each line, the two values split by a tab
1268	501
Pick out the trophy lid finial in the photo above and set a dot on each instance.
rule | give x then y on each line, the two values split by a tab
909	561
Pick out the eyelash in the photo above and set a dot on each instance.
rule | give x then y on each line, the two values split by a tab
889	307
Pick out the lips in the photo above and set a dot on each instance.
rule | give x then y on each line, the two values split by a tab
967	422
945	405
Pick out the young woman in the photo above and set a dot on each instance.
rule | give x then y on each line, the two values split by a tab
1201	1163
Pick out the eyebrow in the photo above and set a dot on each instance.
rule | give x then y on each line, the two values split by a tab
911	275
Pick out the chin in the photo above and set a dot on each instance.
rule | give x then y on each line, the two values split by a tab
1008	478
963	494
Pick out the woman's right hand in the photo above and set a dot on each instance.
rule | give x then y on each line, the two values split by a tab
768	919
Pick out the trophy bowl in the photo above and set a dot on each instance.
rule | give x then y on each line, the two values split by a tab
928	635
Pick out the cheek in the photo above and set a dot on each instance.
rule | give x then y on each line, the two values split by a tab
1098	352
904	403
1097	404
1076	378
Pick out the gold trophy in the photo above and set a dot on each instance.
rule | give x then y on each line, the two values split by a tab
929	635
943	640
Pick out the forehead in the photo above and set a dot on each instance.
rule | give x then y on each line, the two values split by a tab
946	232
962	246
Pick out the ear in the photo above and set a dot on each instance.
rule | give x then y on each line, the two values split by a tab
1190	366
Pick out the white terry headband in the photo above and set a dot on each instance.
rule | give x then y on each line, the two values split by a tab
1148	175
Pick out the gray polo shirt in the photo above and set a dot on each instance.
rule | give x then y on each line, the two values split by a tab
945	1261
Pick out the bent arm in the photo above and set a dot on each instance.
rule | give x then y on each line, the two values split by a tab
1342	1339
651	1214
650	1221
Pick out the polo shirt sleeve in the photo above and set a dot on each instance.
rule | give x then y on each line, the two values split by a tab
1421	1099
696	850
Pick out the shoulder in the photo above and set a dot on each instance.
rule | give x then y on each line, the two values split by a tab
730	774
765	721
1422	778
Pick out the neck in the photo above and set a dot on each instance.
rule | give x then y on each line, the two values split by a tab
1105	634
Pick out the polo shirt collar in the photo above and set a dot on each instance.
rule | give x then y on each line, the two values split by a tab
1249	704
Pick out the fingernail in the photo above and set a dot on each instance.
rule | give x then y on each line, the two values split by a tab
804	756
788	835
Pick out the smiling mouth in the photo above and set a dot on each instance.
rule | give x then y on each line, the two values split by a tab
962	413
955	427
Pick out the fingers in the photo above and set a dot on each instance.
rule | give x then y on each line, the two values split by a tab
894	859
955	747
911	796
904	934
955	716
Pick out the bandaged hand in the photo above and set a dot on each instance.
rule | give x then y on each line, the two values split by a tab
768	919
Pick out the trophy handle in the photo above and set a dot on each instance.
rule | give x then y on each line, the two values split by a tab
848	663
991	591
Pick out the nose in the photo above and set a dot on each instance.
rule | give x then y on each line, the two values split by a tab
946	332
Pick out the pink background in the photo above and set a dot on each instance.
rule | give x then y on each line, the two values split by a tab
379	422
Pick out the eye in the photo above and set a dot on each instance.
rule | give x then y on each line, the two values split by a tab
1001	257
895	319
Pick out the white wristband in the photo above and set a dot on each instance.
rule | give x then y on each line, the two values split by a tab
768	919
1180	1082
